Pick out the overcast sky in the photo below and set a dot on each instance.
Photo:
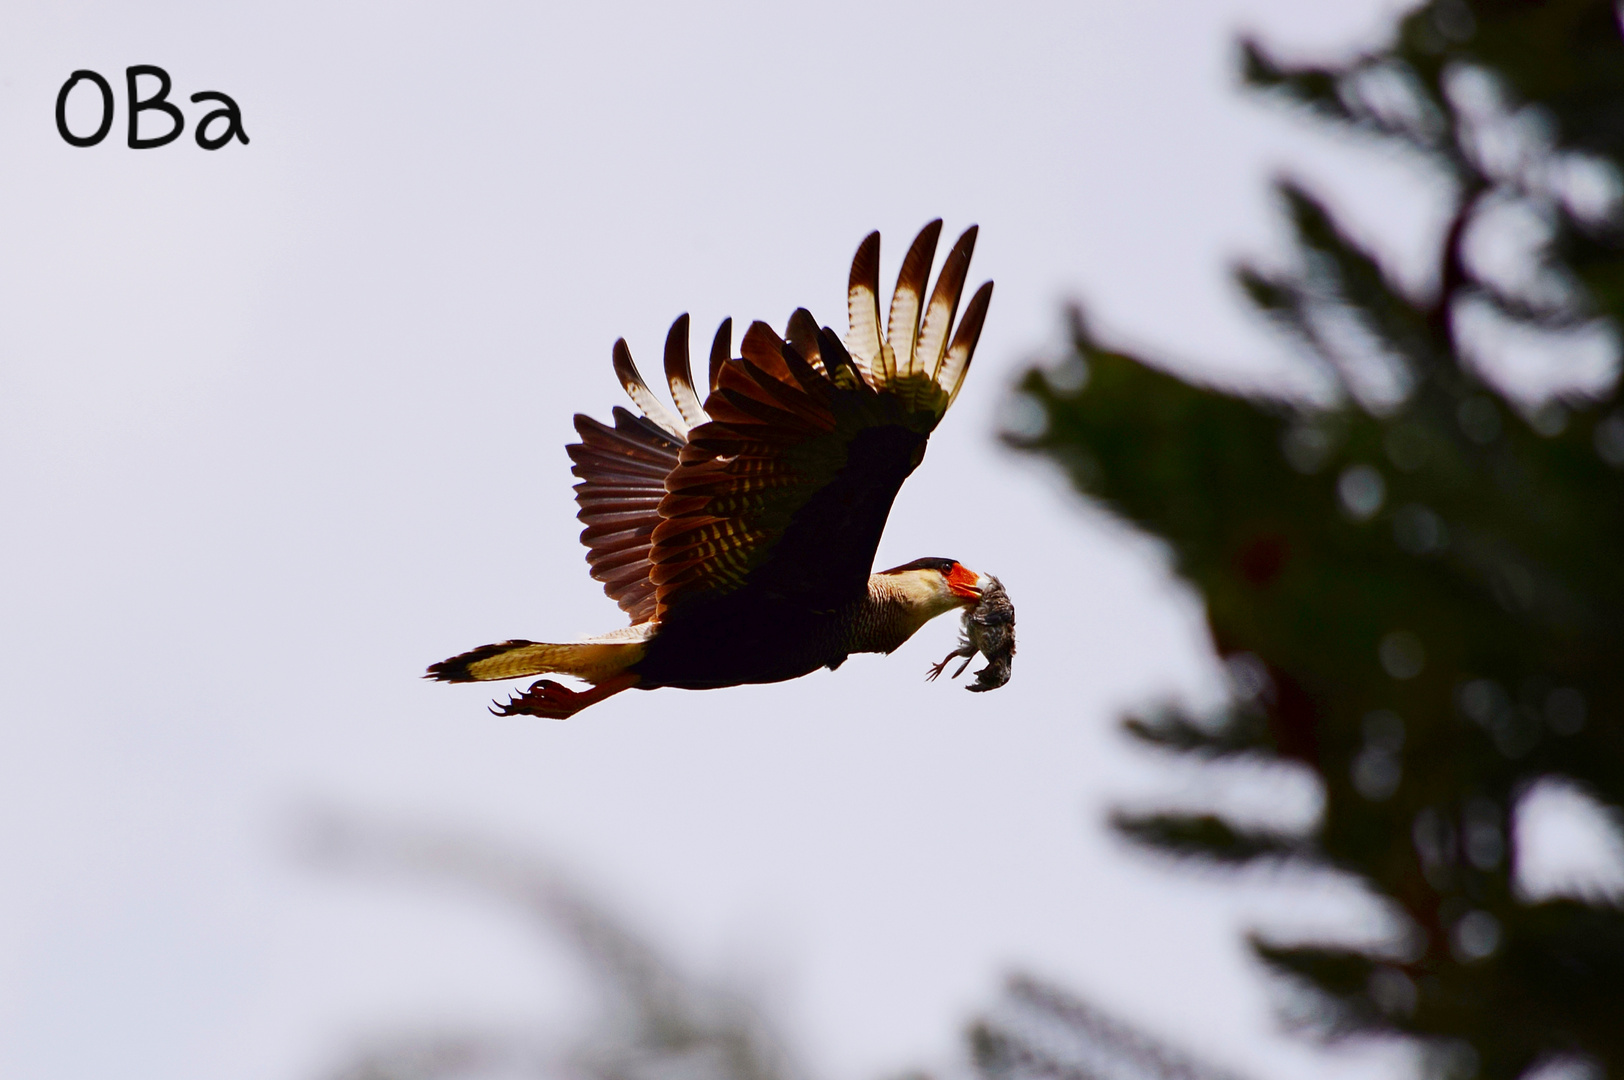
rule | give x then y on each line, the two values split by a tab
283	423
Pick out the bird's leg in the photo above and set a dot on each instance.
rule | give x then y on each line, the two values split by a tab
555	701
937	669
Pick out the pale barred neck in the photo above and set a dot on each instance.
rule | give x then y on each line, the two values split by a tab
896	606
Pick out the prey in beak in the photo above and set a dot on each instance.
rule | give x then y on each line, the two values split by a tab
988	628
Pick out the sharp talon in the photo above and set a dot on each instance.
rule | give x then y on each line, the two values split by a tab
555	701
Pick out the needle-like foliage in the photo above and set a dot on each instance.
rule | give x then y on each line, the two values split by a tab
1418	581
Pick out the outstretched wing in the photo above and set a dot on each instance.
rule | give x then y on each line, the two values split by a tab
785	490
623	469
782	480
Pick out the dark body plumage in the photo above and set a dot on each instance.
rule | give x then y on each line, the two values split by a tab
804	609
739	535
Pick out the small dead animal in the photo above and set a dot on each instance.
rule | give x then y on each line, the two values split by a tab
989	628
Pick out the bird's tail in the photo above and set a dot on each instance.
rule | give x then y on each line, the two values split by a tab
594	659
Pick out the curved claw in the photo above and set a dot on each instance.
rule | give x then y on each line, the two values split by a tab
555	701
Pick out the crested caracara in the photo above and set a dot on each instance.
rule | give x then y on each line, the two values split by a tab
739	533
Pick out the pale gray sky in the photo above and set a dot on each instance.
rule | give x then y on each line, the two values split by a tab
281	424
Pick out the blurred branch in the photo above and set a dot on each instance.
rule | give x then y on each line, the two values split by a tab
1238	732
658	1022
1039	1031
1209	837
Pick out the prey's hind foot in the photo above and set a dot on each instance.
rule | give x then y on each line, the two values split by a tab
555	701
936	669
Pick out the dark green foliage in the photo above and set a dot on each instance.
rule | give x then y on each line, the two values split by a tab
1207	836
1420	584
1240	731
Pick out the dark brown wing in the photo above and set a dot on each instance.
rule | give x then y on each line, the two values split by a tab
785	491
622	470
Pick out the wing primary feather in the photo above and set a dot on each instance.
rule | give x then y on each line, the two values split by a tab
613	525
957	362
802	335
638	391
679	374
638	601
620	560
763	347
621	576
600	492
628	421
605	478
863	309
944	303
902	330
617	454
721	348
812	383
785	425
586	456
845	374
632	437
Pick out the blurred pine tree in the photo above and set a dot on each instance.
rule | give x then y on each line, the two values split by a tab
1418	587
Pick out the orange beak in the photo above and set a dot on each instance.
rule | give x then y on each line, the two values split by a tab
964	583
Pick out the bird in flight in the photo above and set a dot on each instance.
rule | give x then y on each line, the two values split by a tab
739	533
